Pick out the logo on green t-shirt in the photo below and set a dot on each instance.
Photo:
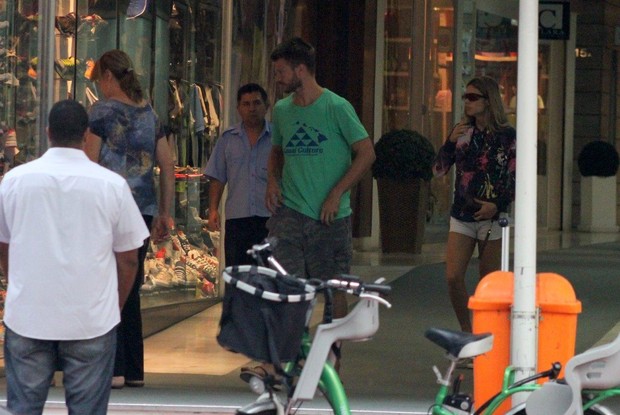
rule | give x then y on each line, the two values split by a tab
306	141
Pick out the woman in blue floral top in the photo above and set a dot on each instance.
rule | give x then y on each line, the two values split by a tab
483	149
126	137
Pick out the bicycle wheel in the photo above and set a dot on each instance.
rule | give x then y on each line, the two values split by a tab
590	411
266	412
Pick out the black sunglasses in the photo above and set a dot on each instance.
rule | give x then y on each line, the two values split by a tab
471	97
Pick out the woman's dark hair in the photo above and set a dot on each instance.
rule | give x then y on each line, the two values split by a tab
490	89
296	51
120	65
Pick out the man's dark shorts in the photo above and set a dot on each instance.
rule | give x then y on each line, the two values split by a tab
308	248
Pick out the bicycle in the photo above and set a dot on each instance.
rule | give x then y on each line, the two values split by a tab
461	346
312	368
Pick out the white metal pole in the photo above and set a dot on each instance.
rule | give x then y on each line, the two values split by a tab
523	351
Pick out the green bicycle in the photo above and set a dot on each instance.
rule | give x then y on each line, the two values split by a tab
590	378
310	367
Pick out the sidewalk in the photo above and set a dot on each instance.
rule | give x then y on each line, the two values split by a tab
187	372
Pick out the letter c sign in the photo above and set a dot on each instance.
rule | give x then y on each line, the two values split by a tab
553	20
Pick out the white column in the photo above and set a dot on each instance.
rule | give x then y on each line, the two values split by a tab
523	353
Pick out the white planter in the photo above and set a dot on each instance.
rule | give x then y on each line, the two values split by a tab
598	204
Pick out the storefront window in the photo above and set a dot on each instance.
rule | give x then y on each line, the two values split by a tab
397	65
439	119
496	56
176	48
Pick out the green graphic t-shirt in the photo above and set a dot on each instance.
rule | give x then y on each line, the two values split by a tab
316	141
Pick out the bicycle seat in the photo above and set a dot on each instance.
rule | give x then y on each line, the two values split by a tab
459	344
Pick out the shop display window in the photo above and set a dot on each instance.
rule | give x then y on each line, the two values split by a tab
417	79
398	21
176	50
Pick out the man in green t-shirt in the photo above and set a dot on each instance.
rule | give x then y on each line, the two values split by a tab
320	150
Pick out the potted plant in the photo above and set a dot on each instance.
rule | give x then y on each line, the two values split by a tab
403	170
598	164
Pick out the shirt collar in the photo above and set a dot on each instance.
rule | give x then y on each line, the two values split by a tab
266	129
65	152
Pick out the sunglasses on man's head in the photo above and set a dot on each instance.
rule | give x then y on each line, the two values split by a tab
472	97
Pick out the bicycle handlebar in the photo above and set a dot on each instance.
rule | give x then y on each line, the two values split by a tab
343	282
359	288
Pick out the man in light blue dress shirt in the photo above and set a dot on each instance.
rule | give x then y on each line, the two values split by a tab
239	159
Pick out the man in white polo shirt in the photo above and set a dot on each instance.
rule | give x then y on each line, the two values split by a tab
69	234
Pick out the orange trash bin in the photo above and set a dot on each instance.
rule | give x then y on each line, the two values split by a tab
557	327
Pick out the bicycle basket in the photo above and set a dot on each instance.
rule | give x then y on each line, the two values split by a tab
263	313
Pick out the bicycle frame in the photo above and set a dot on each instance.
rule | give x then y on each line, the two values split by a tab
361	323
329	381
599	396
508	389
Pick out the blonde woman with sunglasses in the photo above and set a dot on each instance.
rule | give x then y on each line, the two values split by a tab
483	149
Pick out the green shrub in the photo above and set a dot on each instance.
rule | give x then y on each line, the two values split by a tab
598	158
403	155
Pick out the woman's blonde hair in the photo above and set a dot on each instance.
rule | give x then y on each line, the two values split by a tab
120	66
490	89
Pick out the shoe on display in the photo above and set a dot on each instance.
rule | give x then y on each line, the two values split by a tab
4	24
90	65
9	79
91	23
90	95
208	288
180	275
192	276
185	245
148	284
67	25
163	278
66	67
136	8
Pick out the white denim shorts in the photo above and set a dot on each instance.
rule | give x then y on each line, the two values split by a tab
477	230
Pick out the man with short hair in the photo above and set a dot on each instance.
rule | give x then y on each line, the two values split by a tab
69	234
320	150
239	159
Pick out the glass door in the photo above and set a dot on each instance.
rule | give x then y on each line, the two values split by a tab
397	65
